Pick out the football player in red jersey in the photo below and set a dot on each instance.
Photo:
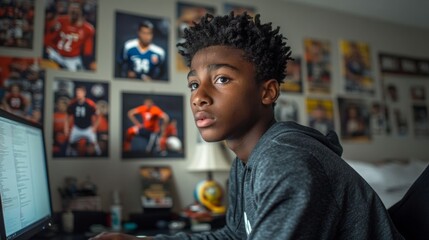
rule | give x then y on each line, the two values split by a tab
15	102
69	39
84	114
150	127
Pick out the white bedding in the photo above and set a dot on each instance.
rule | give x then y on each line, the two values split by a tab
390	180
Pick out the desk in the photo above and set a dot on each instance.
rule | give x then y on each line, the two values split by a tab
142	220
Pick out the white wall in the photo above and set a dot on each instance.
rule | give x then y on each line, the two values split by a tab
296	21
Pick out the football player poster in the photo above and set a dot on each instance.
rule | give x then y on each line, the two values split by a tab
69	37
80	118
187	14
141	47
354	117
321	114
152	126
318	60
356	67
17	23
22	82
293	81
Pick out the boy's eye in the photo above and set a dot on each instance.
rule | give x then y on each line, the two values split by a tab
193	86
222	80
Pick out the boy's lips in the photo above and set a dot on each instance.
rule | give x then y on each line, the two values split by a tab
203	119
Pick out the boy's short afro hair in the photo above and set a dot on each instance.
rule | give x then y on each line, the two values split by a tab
264	46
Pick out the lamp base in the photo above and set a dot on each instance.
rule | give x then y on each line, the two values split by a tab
209	194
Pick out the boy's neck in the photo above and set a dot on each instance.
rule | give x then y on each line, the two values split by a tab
243	147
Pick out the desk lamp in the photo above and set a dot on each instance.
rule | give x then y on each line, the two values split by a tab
209	157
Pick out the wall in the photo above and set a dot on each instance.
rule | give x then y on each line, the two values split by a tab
296	21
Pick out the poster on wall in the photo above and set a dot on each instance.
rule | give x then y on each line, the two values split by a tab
318	60
354	119
391	93
239	9
395	101
293	81
70	34
187	14
400	122
356	67
418	93
157	186
80	118
420	121
152	126
17	24
379	119
22	82
141	47
286	109
321	114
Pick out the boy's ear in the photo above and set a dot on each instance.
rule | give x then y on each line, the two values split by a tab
270	91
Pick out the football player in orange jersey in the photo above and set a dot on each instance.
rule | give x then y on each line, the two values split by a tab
69	39
150	128
171	130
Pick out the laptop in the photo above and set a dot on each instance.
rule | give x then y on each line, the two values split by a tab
24	183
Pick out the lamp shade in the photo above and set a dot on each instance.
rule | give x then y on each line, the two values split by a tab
209	157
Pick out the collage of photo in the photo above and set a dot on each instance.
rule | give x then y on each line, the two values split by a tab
152	124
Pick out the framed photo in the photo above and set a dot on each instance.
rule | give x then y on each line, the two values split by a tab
397	64
354	116
420	121
321	114
391	93
157	187
318	60
22	87
70	34
379	119
356	67
239	9
187	14
152	126
141	47
418	93
400	121
423	67
293	80
409	66
286	109
389	63
17	23
80	118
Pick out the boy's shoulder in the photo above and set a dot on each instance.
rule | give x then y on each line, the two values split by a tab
290	145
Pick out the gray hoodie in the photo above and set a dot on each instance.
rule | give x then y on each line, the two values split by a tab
296	186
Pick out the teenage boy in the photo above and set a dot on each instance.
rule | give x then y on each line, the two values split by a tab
287	181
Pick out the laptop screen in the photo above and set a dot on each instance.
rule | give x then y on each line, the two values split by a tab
24	184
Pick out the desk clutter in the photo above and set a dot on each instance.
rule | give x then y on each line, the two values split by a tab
91	223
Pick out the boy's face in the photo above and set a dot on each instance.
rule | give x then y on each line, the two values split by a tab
225	98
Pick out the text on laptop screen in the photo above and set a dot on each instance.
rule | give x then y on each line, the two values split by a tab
23	177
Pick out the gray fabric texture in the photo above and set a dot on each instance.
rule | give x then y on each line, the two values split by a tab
295	185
